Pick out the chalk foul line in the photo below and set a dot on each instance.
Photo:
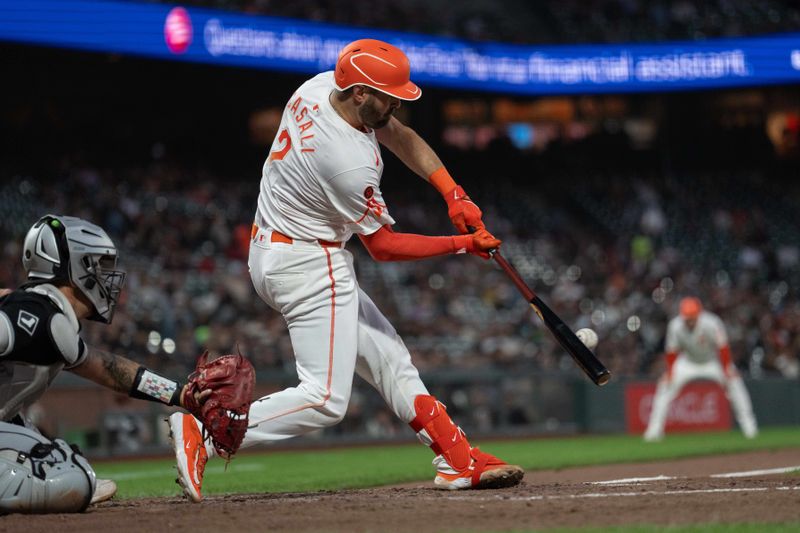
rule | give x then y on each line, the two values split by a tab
748	473
770	471
618	494
632	480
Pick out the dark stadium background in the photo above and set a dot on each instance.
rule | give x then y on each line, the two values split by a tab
168	157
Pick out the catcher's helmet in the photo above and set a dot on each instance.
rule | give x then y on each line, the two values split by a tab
76	252
376	64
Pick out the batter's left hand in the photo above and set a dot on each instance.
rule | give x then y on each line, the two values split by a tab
462	211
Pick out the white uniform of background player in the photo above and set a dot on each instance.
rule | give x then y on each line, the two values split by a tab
321	185
697	348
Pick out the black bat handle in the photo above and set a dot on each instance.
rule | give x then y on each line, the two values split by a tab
526	291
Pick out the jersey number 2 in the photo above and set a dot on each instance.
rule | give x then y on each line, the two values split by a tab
283	137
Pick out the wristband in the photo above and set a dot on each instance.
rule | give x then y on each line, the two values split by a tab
725	359
725	356
442	181
462	244
671	357
150	386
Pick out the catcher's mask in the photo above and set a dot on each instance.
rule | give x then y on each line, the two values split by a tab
70	250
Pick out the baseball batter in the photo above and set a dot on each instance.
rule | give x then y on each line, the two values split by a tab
697	348
320	185
71	269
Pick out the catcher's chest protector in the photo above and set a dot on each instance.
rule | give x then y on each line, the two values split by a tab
38	337
41	476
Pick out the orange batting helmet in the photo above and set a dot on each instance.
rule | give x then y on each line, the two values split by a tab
378	65
691	307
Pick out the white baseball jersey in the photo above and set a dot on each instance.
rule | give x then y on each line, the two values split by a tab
701	344
322	178
699	359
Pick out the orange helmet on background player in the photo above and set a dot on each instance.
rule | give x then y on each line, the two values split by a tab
376	64
690	308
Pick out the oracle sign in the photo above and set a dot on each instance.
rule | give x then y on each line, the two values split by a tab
178	30
701	406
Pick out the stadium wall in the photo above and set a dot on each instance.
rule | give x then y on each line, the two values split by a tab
109	424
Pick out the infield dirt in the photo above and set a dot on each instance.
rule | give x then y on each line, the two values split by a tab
546	499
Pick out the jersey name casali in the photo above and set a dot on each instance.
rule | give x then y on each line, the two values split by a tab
322	177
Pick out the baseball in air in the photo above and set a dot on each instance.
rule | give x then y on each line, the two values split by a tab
588	337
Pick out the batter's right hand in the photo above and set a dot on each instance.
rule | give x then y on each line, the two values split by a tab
482	243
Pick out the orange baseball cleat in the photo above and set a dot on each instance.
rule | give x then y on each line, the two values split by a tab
190	453
484	472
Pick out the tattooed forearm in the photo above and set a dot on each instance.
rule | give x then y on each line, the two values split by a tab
109	370
121	375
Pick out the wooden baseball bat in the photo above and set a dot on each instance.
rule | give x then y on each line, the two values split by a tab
582	355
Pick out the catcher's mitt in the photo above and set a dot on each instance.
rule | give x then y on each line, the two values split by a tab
230	378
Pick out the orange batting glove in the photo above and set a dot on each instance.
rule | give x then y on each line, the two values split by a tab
462	211
725	359
671	357
482	242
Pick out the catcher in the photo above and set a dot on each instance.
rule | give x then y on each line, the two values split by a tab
72	275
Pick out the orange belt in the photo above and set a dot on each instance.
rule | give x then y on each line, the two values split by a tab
277	236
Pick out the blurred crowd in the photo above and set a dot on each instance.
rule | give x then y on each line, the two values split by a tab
610	234
614	252
549	21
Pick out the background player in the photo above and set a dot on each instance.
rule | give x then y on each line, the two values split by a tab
71	269
320	185
697	348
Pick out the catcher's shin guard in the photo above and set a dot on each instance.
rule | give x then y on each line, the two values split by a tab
41	476
458	465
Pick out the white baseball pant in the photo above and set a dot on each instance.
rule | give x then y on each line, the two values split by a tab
335	330
684	371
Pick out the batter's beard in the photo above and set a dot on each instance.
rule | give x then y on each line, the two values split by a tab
371	118
382	122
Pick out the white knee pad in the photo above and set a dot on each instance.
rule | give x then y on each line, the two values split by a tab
40	476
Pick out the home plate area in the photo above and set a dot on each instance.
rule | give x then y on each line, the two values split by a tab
754	487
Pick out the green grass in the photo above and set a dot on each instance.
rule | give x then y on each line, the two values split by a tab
788	527
299	471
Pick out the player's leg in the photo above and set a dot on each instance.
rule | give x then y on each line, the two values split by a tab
385	363
668	388
315	290
41	476
320	306
740	401
736	392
